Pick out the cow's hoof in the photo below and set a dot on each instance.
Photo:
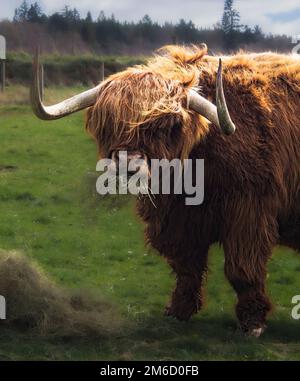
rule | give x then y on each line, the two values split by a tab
256	332
179	315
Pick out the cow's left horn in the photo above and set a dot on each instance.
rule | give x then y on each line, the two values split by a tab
64	108
217	115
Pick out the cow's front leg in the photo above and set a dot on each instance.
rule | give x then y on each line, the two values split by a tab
187	298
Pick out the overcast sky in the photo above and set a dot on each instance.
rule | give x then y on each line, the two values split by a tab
276	16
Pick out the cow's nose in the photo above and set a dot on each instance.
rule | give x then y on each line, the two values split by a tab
129	162
134	162
131	171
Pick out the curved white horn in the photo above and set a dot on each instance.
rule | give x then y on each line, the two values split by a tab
64	108
219	114
225	121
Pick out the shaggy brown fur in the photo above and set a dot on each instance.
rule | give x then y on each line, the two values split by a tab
252	178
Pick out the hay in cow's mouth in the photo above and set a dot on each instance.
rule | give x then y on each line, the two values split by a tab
36	305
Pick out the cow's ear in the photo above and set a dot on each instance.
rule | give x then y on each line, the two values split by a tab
89	126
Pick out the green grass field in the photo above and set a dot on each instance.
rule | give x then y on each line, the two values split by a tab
50	212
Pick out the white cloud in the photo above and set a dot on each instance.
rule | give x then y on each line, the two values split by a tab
256	12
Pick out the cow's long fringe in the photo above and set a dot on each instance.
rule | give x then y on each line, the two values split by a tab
154	94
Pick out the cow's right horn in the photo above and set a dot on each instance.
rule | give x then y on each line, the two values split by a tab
64	108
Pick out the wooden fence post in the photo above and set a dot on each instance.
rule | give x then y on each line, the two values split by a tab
102	71
2	76
42	82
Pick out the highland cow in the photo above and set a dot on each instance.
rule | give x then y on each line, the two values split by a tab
252	176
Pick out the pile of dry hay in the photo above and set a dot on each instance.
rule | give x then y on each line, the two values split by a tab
36	304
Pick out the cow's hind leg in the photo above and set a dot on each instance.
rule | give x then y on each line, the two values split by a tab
253	304
190	271
247	249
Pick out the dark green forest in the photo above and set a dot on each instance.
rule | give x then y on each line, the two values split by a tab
68	32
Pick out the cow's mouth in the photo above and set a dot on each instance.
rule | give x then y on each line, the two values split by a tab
132	170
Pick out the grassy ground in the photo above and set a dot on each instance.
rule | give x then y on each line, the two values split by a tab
50	212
